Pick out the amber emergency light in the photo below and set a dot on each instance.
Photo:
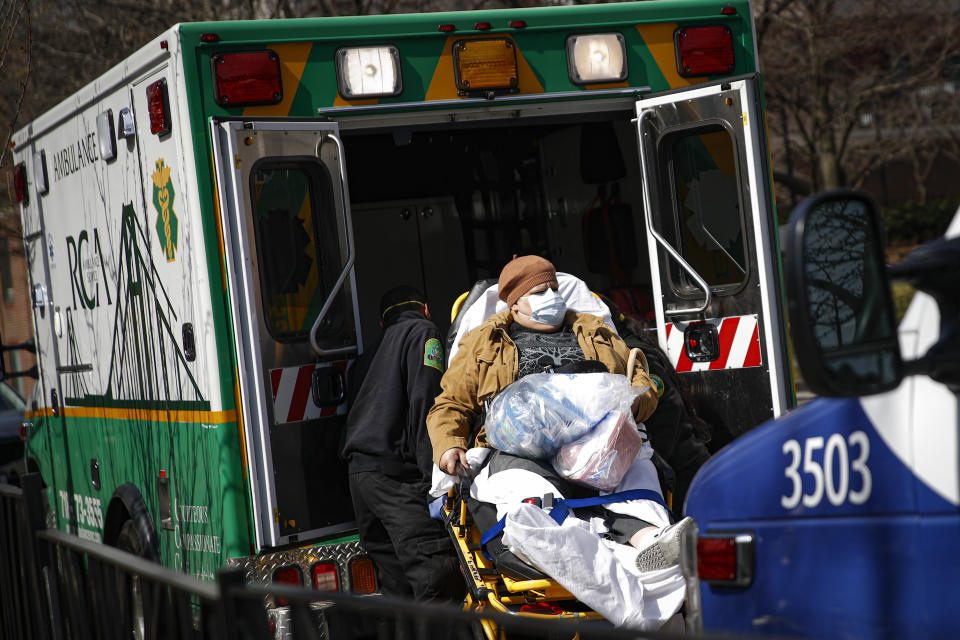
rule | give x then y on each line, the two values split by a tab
485	65
362	577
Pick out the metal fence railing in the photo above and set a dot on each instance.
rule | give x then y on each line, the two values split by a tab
58	586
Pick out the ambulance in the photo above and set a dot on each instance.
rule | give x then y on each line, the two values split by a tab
210	224
841	519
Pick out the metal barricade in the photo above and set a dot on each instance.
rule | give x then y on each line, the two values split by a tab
56	585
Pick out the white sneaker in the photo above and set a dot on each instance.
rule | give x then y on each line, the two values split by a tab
664	552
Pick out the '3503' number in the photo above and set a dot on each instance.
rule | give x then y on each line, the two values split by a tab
836	455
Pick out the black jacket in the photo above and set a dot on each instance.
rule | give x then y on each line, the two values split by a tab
386	427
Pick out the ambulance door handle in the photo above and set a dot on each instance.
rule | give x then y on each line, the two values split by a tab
648	217
342	278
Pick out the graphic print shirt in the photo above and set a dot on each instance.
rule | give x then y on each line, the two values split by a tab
544	352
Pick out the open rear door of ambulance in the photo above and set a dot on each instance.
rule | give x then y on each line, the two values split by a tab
711	236
289	251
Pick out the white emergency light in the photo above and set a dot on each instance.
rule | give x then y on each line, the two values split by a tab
105	135
597	57
368	72
40	172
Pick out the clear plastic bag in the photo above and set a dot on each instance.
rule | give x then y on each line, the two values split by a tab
600	457
538	414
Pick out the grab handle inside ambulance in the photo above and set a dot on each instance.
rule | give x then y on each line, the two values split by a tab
347	266
648	217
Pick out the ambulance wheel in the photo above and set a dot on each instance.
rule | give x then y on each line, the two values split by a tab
131	541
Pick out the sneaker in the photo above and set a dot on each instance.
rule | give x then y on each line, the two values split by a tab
665	550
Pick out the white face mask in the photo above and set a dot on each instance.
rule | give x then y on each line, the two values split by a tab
547	308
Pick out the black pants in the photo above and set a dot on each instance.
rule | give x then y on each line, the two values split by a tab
413	553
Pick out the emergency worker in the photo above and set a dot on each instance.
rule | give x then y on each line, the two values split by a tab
388	453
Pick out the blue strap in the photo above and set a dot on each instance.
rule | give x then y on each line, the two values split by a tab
561	508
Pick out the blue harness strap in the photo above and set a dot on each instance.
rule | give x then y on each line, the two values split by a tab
561	508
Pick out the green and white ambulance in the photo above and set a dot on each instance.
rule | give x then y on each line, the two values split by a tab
210	224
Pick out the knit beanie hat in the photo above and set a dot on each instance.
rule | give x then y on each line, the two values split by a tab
522	274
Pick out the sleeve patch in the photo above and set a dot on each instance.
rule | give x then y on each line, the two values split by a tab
433	354
658	383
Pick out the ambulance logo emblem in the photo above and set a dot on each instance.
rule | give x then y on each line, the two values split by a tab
166	218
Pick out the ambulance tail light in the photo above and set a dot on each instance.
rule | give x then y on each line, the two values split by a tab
362	576
325	577
288	576
726	559
247	78
158	106
704	51
20	183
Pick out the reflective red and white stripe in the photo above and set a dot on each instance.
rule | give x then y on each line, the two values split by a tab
739	345
292	398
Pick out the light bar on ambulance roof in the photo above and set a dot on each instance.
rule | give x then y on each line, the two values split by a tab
247	78
368	72
597	58
704	51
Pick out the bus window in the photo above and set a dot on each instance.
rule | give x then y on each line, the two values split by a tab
705	188
298	246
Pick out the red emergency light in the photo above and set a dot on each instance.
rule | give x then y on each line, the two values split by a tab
325	577
247	78
482	26
20	183
518	24
447	28
704	51
158	106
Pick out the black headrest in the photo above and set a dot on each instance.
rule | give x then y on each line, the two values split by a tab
475	292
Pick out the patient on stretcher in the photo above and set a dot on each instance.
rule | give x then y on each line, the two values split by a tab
594	552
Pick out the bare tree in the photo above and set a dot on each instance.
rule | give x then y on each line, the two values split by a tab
845	81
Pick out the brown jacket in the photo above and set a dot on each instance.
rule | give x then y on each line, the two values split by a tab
487	361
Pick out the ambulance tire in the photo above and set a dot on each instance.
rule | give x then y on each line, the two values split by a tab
130	540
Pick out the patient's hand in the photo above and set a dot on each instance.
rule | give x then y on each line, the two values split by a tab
450	458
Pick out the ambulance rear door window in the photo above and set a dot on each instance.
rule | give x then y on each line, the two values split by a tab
709	227
298	245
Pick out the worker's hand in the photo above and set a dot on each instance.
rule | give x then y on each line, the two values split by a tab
450	458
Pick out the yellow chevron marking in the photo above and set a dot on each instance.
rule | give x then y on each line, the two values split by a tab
443	84
293	59
659	40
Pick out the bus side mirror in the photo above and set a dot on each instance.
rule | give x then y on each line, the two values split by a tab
841	310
